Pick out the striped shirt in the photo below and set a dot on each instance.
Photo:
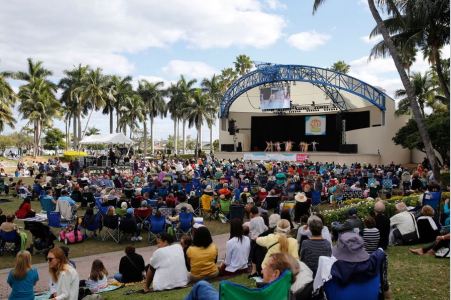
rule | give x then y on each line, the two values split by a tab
311	250
371	238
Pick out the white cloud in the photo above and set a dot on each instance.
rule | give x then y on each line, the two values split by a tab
102	33
150	78
191	69
275	4
307	40
371	41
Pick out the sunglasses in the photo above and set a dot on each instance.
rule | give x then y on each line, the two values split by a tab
49	259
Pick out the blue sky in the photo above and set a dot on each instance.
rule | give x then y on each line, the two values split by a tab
161	40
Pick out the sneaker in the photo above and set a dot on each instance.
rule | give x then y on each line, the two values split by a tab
140	238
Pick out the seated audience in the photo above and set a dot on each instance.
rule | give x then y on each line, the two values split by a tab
25	210
237	250
48	203
404	227
98	278
315	246
441	241
371	236
63	275
129	225
167	266
131	267
382	224
427	227
9	226
184	204
256	227
185	242
22	278
202	255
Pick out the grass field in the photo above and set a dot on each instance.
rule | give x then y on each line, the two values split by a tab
410	276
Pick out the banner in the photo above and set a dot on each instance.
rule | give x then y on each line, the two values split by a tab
315	125
275	156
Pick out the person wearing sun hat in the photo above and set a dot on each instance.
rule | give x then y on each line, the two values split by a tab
351	263
301	207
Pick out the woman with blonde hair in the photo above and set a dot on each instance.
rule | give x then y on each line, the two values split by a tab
23	277
98	278
279	242
63	274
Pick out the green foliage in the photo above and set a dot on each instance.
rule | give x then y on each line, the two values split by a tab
216	145
341	66
438	128
54	138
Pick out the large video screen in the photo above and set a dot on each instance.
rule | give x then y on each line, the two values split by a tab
315	125
275	98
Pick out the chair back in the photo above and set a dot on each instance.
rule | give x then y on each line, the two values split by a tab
236	211
353	291
96	224
9	237
278	289
186	221
225	206
387	183
103	209
316	197
157	224
54	219
206	202
432	199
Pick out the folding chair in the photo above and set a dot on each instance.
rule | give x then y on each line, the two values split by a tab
195	203
96	225
142	214
236	211
64	208
205	206
185	224
353	291
225	206
102	209
316	198
54	220
157	226
8	242
432	199
111	229
278	289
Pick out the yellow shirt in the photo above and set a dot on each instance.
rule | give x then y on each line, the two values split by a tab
203	260
272	239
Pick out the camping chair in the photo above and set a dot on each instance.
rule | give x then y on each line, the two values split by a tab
205	206
54	219
65	209
8	242
236	211
142	214
354	290
102	209
278	289
96	225
2	185
387	184
185	224
432	199
195	203
225	206
316	198
157	226
111	229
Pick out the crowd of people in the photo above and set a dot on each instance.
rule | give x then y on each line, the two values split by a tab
278	231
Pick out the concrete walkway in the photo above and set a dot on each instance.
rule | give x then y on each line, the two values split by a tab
110	260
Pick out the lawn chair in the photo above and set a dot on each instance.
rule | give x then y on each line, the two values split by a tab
54	220
278	289
157	226
205	206
8	242
185	224
353	291
236	211
316	198
102	209
111	229
432	199
96	225
225	206
142	214
65	209
2	185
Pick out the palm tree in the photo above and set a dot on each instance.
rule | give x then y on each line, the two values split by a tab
95	93
424	91
227	77
403	75
92	131
212	87
199	110
341	66
38	102
132	114
154	106
243	64
7	99
72	98
186	91
120	90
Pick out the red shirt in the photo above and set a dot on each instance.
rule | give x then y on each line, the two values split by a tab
23	211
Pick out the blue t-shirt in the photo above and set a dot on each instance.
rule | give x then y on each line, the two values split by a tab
23	289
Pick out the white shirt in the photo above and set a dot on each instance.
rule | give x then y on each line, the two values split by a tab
170	268
237	254
256	227
67	285
404	221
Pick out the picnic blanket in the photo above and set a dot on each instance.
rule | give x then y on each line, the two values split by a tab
39	217
46	295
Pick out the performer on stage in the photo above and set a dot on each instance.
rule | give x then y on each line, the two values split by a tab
277	146
303	146
314	143
288	145
306	147
268	146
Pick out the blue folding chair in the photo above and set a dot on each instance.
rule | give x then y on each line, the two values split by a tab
54	219
157	226
432	199
353	291
96	225
103	209
8	242
316	198
236	211
185	224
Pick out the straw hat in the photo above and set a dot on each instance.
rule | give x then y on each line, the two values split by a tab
300	197
208	189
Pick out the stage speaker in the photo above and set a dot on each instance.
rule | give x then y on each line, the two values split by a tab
227	147
232	126
348	148
239	148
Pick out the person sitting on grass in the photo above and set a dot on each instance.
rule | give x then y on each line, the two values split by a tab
256	227
167	266
9	226
48	203
371	235
277	263
63	275
25	210
129	225
186	242
22	278
131	267
441	241
382	223
202	255
98	278
237	250
427	227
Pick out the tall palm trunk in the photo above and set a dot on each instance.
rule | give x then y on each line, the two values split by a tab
111	120
211	138
409	90
79	131
151	136
200	136
441	78
35	139
184	135
66	132
145	137
175	135
117	121
86	125
74	137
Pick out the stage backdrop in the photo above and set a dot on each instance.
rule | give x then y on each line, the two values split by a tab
315	125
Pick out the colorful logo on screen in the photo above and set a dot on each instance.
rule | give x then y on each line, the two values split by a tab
315	125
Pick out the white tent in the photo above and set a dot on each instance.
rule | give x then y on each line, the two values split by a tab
113	138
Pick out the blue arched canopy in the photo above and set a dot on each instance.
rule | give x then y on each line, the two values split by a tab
330	82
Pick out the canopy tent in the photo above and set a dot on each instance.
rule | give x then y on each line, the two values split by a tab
112	138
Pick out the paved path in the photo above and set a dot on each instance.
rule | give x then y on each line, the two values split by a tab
110	260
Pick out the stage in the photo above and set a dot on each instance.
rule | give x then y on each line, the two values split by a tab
347	158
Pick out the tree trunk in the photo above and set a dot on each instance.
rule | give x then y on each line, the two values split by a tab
145	137
200	136
111	120
86	126
211	139
151	136
175	136
409	90
74	137
35	139
66	132
38	133
441	77
184	136
79	132
117	121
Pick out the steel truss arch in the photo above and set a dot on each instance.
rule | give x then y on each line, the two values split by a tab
330	82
